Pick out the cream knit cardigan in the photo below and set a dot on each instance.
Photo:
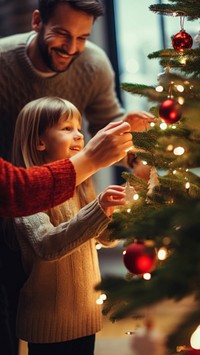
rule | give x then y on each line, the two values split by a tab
58	301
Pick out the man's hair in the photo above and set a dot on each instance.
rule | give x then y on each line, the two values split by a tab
94	8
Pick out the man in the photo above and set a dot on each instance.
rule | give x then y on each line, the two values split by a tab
56	59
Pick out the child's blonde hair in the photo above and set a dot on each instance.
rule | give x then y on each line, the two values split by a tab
32	121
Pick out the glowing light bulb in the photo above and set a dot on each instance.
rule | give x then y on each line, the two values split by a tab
181	100
170	147
147	276
103	297
159	88
180	88
195	339
179	151
129	332
187	185
98	246
99	301
162	253
163	126
183	60
152	124
136	197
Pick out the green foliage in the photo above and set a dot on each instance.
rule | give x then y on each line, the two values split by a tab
189	7
170	215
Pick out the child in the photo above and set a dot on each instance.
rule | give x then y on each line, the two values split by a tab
57	311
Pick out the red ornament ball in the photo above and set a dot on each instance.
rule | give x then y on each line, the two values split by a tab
193	352
170	111
139	259
182	40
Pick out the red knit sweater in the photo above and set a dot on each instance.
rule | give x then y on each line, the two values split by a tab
27	191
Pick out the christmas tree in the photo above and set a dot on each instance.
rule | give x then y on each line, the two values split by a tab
160	223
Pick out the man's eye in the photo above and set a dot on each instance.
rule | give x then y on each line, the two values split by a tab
82	38
60	33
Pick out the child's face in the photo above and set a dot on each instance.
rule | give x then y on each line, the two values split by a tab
63	140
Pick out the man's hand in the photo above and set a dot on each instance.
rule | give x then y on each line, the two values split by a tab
110	144
139	120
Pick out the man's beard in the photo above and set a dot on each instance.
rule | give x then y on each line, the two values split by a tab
46	56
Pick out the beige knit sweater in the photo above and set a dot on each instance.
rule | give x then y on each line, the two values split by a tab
58	300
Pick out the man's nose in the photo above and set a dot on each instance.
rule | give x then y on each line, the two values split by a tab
70	46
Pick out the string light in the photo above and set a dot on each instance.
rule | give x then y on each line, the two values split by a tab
129	333
180	88
159	88
170	147
101	299
195	339
136	197
98	246
183	60
187	185
163	126
147	276
179	151
162	253
181	100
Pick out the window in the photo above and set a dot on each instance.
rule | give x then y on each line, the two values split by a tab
139	32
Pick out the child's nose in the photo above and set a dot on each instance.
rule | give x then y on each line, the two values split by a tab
78	136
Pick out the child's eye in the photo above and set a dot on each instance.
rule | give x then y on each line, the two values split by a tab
67	129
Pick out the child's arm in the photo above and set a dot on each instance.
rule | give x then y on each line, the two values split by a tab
110	198
50	242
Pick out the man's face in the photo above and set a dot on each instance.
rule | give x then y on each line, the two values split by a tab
63	38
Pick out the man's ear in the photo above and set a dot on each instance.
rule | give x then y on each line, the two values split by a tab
41	146
36	21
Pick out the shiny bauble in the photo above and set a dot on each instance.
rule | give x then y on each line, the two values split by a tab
192	352
182	40
139	259
170	111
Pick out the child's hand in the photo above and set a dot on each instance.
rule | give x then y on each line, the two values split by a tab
111	197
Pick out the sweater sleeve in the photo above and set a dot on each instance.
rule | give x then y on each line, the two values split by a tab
50	242
104	105
27	191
